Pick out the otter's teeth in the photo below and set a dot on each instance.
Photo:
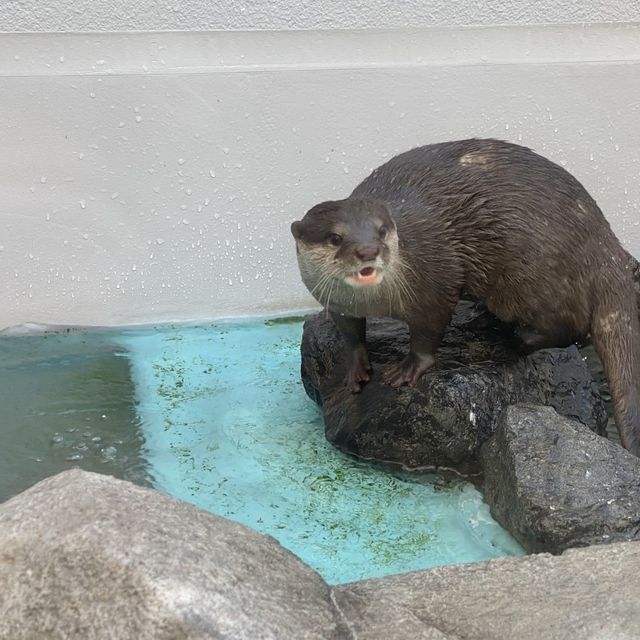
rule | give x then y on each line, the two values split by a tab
367	276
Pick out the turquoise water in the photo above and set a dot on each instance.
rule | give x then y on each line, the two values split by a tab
217	416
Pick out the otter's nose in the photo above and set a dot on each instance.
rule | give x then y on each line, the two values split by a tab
367	252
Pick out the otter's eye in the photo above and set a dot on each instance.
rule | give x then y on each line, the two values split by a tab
383	230
335	239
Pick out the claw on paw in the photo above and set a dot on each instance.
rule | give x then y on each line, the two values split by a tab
408	371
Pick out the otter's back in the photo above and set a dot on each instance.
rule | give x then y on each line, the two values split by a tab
516	183
526	233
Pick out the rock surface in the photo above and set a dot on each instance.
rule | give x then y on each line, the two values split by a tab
86	556
454	409
554	484
590	594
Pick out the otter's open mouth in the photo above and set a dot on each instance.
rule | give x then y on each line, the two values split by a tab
365	277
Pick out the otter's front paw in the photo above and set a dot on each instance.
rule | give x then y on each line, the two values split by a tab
408	371
359	369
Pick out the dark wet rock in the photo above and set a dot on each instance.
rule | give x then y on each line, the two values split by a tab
586	594
454	409
555	484
85	556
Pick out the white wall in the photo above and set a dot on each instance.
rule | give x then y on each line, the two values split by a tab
152	177
202	15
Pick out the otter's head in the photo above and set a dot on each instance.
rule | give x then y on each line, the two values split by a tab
351	240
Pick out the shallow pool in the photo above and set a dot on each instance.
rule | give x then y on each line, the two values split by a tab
216	415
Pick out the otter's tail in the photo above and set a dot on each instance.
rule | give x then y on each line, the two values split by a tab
615	331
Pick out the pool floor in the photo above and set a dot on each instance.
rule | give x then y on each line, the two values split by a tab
217	416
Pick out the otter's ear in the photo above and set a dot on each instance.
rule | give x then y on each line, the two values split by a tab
296	229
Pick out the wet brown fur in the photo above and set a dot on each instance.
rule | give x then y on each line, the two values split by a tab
499	222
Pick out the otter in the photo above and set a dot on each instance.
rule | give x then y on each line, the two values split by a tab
489	219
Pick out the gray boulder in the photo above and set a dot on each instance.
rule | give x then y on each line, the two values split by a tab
585	594
454	409
555	484
87	556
